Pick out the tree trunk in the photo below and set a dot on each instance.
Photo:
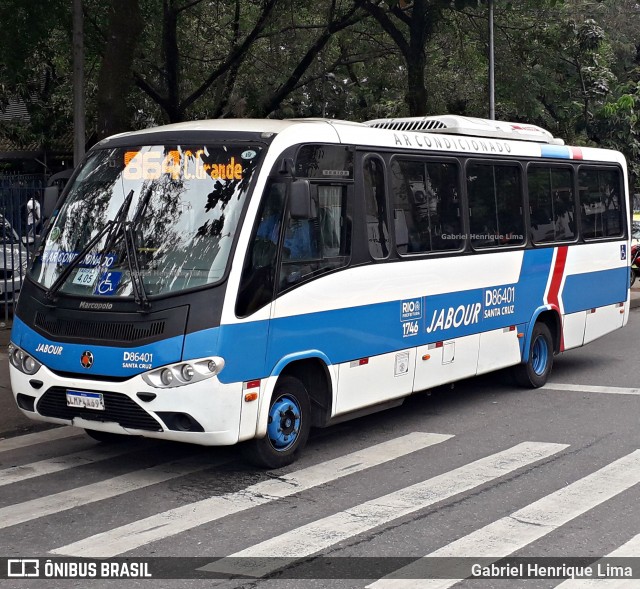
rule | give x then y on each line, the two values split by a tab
171	61
115	78
416	90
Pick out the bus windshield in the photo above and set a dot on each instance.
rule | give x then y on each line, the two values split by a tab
158	218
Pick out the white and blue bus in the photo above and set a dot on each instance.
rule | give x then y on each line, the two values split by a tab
236	281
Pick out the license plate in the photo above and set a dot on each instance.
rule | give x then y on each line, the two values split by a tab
85	400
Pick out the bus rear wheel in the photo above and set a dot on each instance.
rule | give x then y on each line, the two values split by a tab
535	371
288	426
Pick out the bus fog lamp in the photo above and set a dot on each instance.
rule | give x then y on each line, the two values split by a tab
212	366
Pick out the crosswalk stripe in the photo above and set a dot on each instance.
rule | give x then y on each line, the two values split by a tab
586	388
80	496
315	536
186	517
513	532
49	435
23	472
630	549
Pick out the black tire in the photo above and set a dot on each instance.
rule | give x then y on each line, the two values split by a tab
286	436
106	437
535	371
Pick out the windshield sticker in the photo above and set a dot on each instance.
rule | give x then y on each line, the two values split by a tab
108	283
91	260
86	276
248	155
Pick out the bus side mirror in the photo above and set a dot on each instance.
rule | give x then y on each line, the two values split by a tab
300	203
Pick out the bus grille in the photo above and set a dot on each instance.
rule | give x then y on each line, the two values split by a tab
127	332
118	408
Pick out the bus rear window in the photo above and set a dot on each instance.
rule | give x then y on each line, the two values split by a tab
600	203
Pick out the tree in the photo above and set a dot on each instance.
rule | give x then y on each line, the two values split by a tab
412	25
115	78
165	83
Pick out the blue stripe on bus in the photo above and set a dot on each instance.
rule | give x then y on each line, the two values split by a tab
107	360
595	289
557	151
251	350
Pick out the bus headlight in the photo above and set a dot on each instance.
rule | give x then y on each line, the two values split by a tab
166	377
187	372
182	373
22	361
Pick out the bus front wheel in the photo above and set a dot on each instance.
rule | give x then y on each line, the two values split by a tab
534	372
287	427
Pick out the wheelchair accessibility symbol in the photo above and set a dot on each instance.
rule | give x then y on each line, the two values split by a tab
108	283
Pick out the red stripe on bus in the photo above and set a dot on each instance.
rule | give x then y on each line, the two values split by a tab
576	153
554	288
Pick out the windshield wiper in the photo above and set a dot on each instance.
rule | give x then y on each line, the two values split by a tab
111	227
139	293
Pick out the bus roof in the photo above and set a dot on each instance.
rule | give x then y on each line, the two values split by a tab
448	133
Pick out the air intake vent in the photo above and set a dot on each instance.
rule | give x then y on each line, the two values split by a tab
470	126
95	330
411	124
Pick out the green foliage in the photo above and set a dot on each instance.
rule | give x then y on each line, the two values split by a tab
617	126
568	65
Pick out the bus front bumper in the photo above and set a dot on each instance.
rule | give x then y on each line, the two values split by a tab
207	413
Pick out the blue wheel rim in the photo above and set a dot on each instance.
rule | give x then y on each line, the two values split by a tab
539	355
284	423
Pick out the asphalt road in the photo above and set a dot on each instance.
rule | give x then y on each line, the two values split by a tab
480	470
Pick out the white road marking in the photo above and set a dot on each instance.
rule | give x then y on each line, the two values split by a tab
513	532
586	388
23	472
631	549
186	517
320	534
80	496
49	435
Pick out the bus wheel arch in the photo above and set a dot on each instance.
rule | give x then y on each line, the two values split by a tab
551	318
314	374
541	346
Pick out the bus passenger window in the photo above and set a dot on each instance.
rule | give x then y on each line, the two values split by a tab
376	207
495	205
426	206
552	204
600	203
314	246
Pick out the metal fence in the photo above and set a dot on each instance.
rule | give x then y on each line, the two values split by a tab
18	233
